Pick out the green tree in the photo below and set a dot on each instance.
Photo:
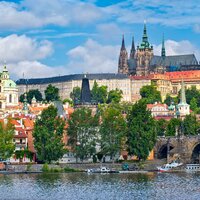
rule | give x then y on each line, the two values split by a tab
112	130
169	99
114	96
141	134
82	132
150	93
173	126
48	134
51	93
191	125
99	94
30	94
68	101
6	136
161	126
194	105
75	95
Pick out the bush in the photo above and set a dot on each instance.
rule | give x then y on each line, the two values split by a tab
45	168
67	169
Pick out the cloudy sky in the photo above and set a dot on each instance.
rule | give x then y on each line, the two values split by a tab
42	38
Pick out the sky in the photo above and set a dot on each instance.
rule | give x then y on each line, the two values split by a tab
45	38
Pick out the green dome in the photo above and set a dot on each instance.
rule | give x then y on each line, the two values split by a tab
9	84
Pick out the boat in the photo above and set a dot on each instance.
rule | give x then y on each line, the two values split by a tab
192	167
101	170
169	166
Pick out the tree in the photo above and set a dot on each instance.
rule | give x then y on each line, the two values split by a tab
141	131
51	93
191	125
69	101
161	126
173	126
114	96
48	134
75	95
82	132
150	93
6	136
99	94
169	99
112	131
194	105
30	94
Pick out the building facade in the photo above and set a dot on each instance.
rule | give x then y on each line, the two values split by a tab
8	91
143	62
66	83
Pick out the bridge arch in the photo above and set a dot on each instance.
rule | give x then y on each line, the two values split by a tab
162	151
195	157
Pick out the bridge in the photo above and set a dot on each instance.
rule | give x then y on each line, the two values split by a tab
184	148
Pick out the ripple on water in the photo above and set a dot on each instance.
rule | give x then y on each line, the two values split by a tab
96	186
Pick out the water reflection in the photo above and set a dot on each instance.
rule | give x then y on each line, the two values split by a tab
96	186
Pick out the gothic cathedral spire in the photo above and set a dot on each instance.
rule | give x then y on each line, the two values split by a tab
132	53
123	59
163	53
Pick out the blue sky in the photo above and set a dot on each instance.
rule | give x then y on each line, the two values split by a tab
42	38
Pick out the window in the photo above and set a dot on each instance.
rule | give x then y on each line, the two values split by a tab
10	98
0	105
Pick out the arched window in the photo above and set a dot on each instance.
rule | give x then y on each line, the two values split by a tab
10	98
0	104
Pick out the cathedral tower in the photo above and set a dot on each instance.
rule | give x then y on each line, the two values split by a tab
123	60
132	53
144	55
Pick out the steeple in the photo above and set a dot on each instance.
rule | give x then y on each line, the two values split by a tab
183	98
163	47
145	37
25	104
132	53
123	44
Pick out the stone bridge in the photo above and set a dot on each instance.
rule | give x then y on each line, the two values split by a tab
185	148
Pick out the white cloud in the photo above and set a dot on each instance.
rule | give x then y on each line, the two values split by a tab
178	48
38	13
14	48
34	69
93	57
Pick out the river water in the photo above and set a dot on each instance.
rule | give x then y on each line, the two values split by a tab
82	186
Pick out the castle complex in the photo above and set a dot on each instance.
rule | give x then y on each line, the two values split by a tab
143	62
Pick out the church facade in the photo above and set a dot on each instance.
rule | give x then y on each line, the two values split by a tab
8	91
142	61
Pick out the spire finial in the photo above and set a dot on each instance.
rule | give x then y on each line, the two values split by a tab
163	54
123	43
132	53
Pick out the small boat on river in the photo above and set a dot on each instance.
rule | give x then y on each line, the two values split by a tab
101	170
169	166
192	167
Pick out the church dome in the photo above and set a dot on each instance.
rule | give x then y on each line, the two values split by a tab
9	84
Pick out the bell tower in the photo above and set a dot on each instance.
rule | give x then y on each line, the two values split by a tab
123	59
144	55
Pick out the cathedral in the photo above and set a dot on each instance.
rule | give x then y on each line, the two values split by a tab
142	61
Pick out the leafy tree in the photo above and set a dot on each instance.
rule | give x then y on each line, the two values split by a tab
161	126
114	96
141	134
194	105
48	134
30	94
82	132
169	99
75	95
51	93
99	94
112	130
6	136
68	101
150	93
191	125
173	126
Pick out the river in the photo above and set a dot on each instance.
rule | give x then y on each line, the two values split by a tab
82	186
